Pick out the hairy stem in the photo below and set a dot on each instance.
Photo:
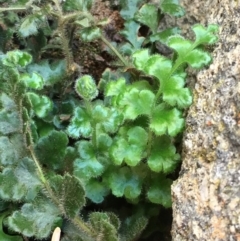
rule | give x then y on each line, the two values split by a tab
114	50
76	221
56	2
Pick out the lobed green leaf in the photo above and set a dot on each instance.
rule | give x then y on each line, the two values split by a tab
35	219
132	227
9	121
166	121
12	149
106	225
160	192
69	190
148	15
174	92
90	34
41	105
123	182
130	32
131	148
30	25
96	191
50	149
33	81
80	124
3	235
50	72
140	58
159	67
129	8
87	166
187	53
21	182
114	88
136	102
205	35
163	36
17	58
172	7
163	157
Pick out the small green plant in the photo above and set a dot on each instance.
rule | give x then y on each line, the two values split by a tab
70	143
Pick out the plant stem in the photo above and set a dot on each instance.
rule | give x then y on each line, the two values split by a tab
13	9
114	50
56	2
76	221
79	223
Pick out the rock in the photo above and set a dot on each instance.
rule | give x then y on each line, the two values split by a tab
206	196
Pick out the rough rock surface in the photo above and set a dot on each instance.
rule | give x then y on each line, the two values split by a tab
206	197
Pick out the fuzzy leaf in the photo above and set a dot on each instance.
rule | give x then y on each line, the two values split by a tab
74	5
50	149
140	58
43	128
80	124
112	121
118	151
87	166
164	35
205	35
86	87
172	7
104	141
174	92
30	25
96	191
166	121
90	34
163	157
41	105
138	136
181	45
3	235
71	232
99	113
86	169
159	67
7	103
114	88
160	192
70	192
196	58
51	73
17	58
34	81
35	219
132	227
9	117
148	15
130	150
137	102
129	8
130	32
21	182
11	149
123	182
103	224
